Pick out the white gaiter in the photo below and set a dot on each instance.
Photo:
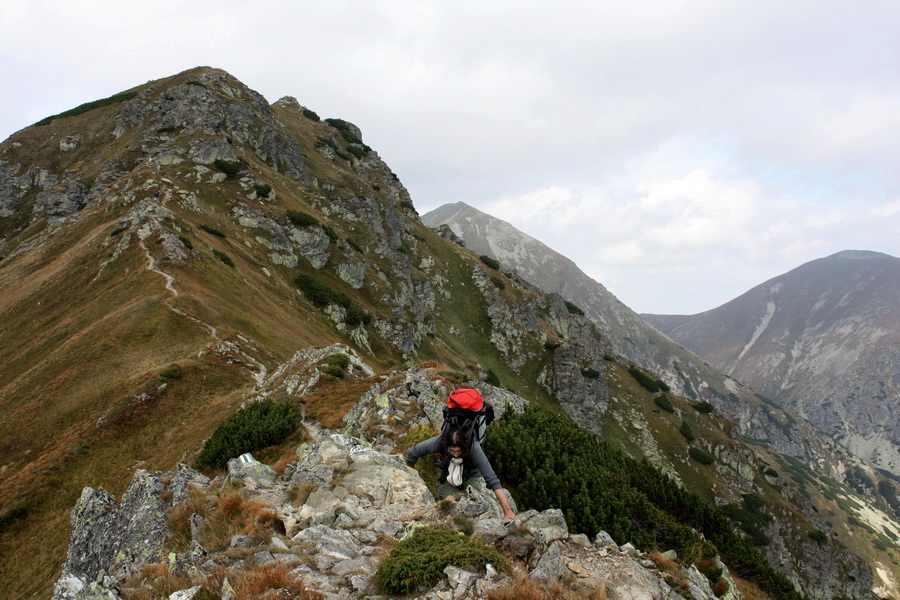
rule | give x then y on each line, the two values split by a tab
455	472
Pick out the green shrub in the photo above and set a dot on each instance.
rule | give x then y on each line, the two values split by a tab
574	310
187	243
609	358
316	291
771	472
492	379
818	536
354	245
687	432
590	373
647	382
551	346
498	283
117	231
664	403
167	129
321	296
491	262
83	108
357	151
223	257
418	562
339	124
171	373
301	219
212	231
322	141
18	510
332	235
598	487
350	137
231	168
335	365
701	456
310	114
262	189
253	427
703	407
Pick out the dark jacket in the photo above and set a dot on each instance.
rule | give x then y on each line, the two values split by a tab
477	465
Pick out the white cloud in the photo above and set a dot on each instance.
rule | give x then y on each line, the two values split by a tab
699	138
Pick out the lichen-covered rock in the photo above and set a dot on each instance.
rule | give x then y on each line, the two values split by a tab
109	536
186	478
246	467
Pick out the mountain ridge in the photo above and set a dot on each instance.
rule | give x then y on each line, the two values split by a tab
821	339
167	254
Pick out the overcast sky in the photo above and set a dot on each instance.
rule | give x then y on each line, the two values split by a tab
680	152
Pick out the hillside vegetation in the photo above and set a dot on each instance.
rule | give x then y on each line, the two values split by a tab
180	251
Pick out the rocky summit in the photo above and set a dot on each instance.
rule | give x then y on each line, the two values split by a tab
223	320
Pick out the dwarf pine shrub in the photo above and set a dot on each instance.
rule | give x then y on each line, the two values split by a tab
310	114
703	407
253	427
491	262
318	292
687	432
573	309
301	219
171	373
701	456
664	403
419	561
231	168
223	257
599	487
647	382
83	108
212	231
262	189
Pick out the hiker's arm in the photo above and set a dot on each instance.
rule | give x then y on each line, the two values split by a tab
491	479
417	451
504	504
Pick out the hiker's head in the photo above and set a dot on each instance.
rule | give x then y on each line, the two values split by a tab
455	443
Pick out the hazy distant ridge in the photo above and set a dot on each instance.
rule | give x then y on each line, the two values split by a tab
823	339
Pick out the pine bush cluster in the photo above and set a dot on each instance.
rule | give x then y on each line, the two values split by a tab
253	427
420	560
321	296
552	463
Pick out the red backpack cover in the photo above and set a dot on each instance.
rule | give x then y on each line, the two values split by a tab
466	398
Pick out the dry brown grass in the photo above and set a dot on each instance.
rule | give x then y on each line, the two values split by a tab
273	581
526	588
665	564
749	590
155	581
330	399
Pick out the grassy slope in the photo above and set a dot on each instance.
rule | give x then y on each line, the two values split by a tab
81	344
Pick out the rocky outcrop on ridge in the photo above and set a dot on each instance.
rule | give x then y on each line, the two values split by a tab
358	501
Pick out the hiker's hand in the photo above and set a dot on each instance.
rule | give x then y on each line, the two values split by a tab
509	515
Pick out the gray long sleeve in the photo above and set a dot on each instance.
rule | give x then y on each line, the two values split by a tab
477	466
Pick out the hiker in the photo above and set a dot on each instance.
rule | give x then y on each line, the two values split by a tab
461	458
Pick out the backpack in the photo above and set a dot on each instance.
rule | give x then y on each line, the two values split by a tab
468	411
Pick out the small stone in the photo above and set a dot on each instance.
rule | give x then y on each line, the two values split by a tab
575	567
186	594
